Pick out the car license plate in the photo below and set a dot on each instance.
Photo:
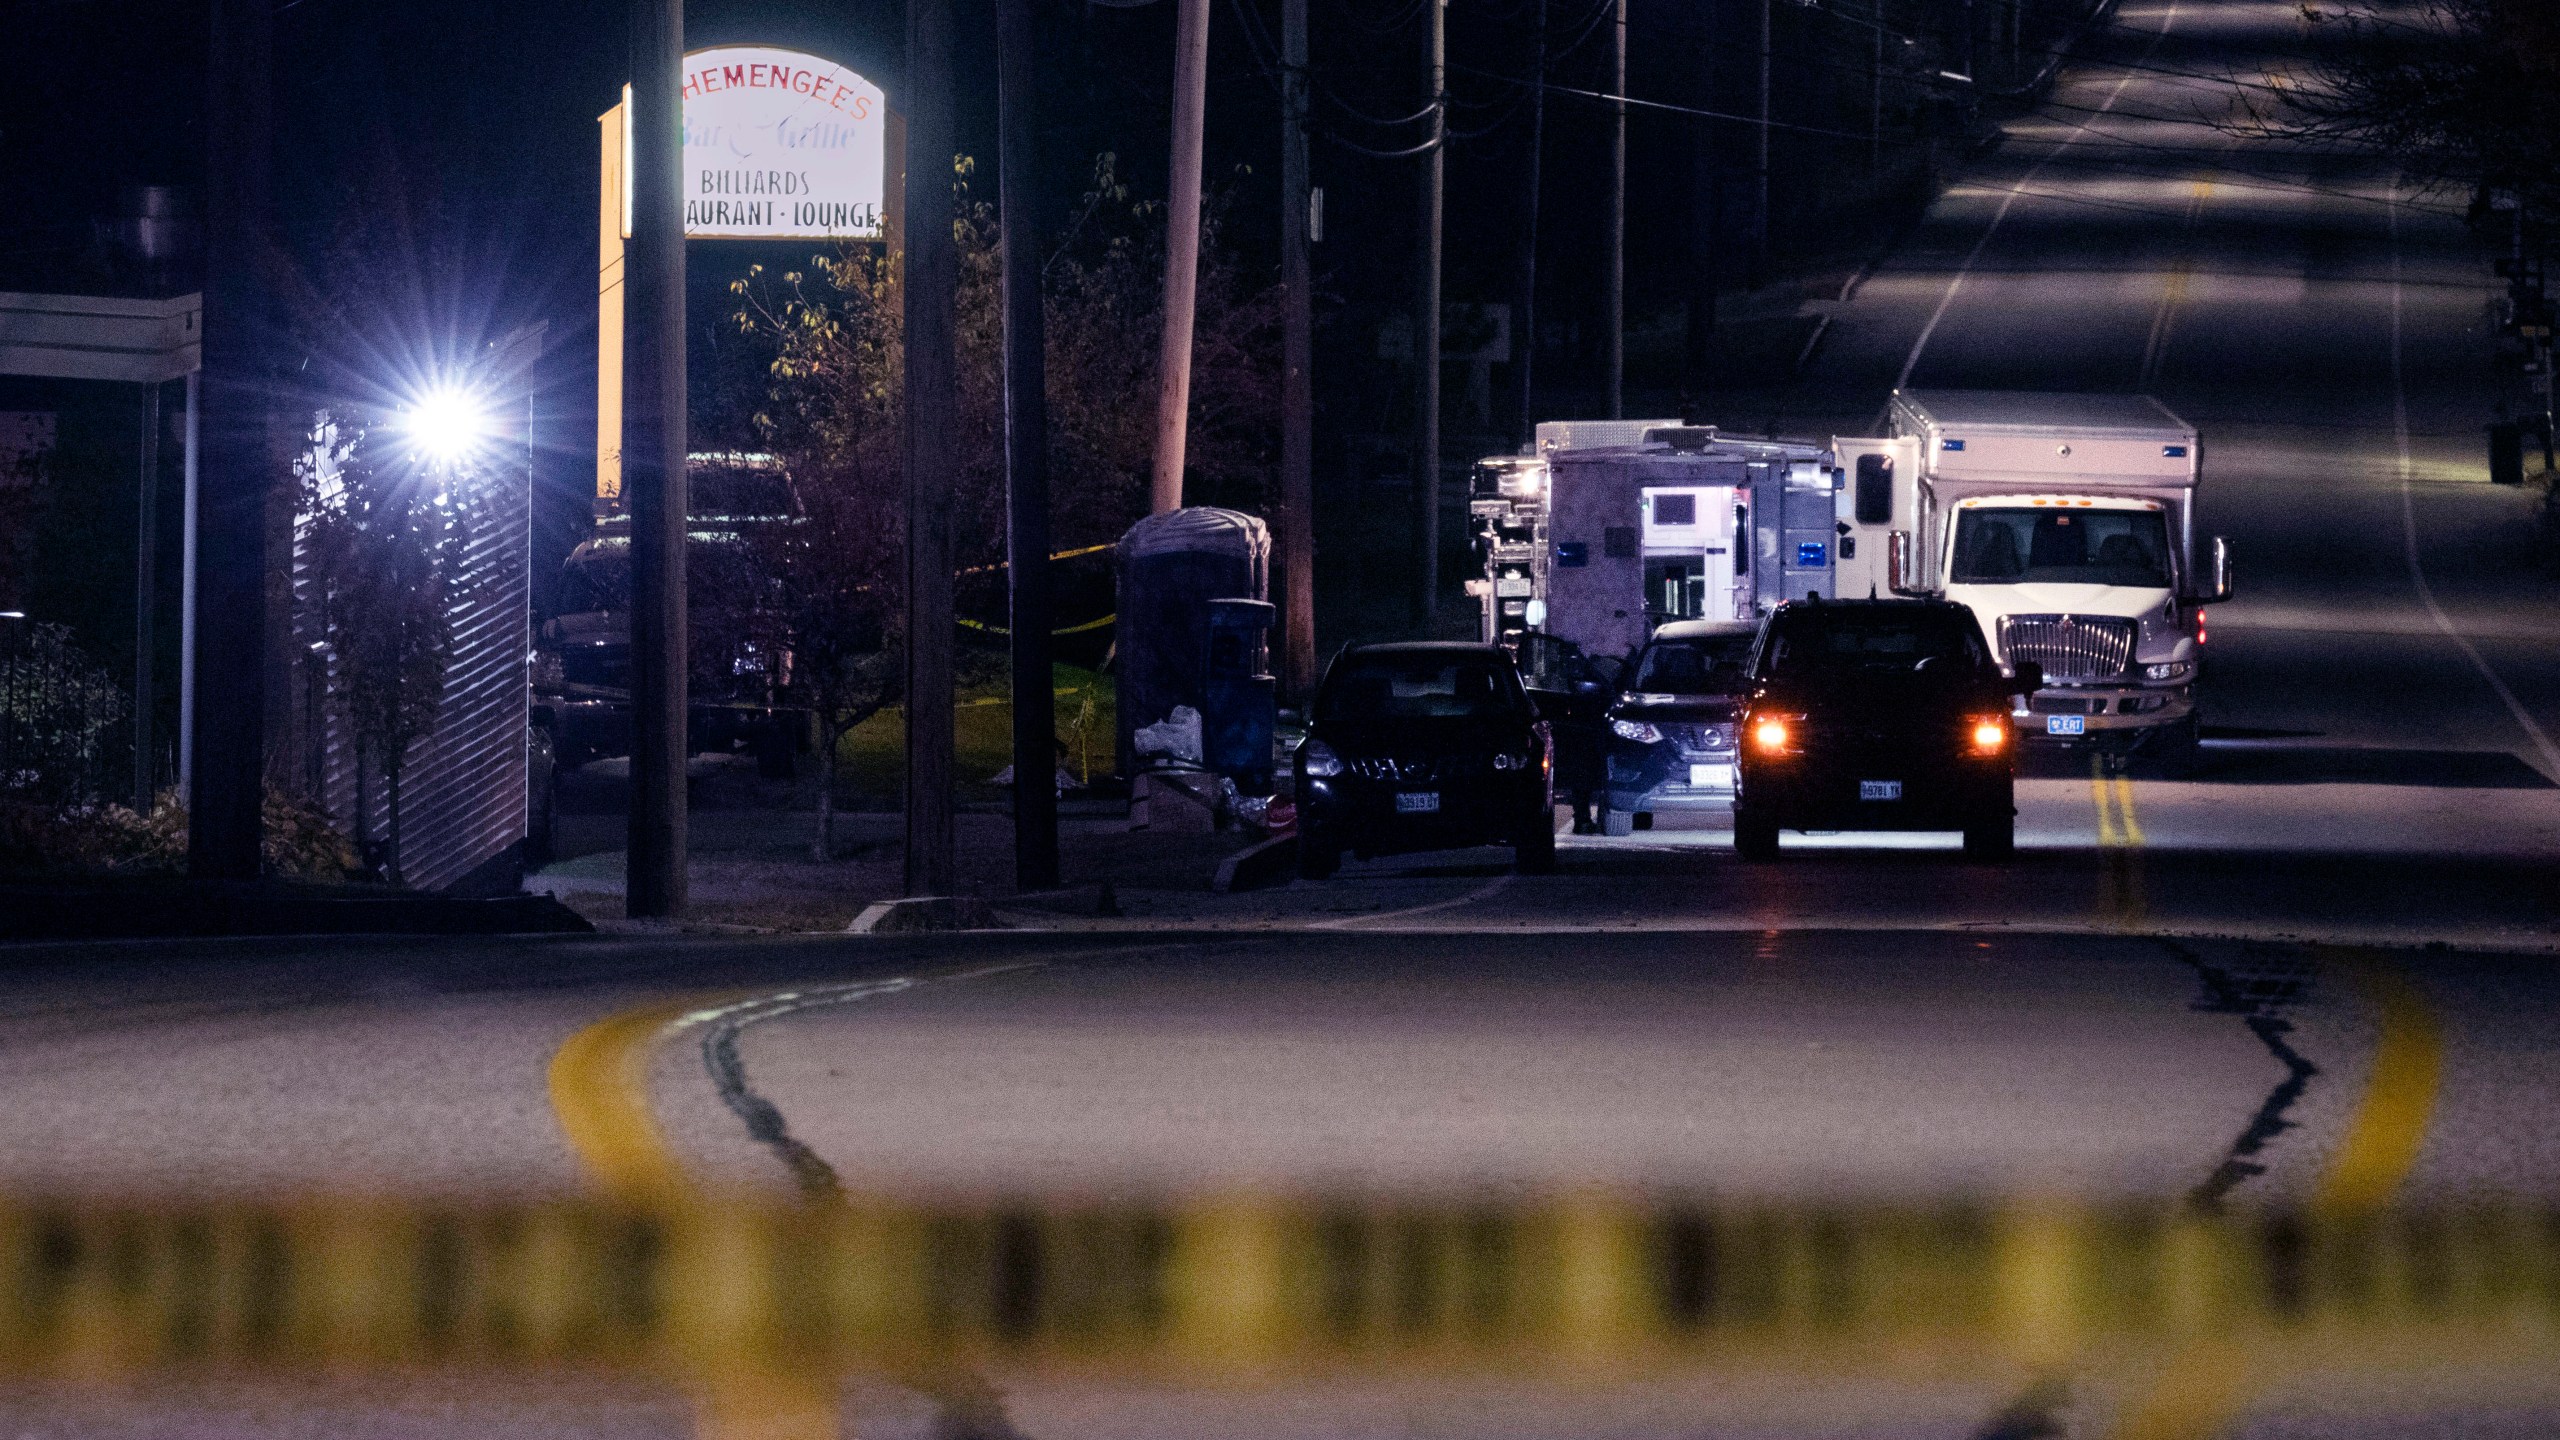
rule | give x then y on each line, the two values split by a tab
1417	802
1710	777
1879	789
2066	724
1510	585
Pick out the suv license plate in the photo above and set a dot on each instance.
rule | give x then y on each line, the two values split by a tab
1879	789
2066	724
1417	802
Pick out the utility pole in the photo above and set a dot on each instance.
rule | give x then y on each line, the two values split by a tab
1181	248
1297	361
1760	218
1426	304
1614	283
1524	335
226	799
1875	103
1026	458
1698	350
146	601
653	477
932	412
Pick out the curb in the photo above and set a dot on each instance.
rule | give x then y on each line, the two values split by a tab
190	910
921	913
1270	863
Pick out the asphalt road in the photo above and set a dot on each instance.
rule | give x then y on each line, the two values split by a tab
2319	967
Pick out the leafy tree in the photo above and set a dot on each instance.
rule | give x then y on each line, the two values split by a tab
58	714
833	408
381	537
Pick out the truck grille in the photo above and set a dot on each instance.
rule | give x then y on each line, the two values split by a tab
2069	647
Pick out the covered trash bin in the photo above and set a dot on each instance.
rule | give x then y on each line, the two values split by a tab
1172	567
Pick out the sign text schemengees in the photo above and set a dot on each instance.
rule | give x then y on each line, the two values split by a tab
781	145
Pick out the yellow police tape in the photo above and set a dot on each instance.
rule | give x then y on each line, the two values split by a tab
1579	1285
1110	619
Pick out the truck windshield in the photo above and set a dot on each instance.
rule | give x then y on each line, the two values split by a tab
1420	687
2055	546
1718	665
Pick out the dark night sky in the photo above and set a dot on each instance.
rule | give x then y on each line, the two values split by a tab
494	102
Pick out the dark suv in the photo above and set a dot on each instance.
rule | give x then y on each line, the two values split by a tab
1424	746
1877	715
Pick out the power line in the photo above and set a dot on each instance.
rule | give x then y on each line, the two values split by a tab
1601	95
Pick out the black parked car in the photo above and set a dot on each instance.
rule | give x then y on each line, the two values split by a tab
1424	746
1671	731
1878	715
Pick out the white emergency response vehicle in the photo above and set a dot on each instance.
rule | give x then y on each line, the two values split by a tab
2067	523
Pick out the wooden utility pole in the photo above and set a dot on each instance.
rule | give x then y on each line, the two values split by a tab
1524	334
1297	360
1706	181
227	796
932	412
1614	282
1760	166
1026	457
1426	316
1181	248
653	476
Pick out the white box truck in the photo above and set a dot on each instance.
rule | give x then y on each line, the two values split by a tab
2067	523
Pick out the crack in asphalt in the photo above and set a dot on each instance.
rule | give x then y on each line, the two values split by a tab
2258	991
967	1405
765	1124
2258	994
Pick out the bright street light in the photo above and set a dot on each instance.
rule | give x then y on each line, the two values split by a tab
446	424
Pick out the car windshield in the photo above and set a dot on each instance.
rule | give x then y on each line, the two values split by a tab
2044	544
1420	687
1714	665
593	580
1816	642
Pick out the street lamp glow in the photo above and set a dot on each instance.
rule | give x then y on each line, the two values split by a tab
446	424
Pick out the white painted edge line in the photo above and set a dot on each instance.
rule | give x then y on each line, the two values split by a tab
1481	892
2409	519
1948	300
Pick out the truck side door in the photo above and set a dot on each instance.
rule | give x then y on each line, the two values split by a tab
1879	494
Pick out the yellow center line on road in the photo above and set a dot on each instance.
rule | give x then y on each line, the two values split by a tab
2206	1386
599	1082
2120	841
600	1094
2390	1123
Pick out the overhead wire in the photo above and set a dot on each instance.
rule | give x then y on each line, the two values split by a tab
1666	107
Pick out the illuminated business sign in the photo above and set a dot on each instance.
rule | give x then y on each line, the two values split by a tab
781	146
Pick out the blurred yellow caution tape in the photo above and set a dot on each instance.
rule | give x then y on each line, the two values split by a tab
1573	1286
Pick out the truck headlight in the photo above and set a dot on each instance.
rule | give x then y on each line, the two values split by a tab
2173	670
1643	732
1317	758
